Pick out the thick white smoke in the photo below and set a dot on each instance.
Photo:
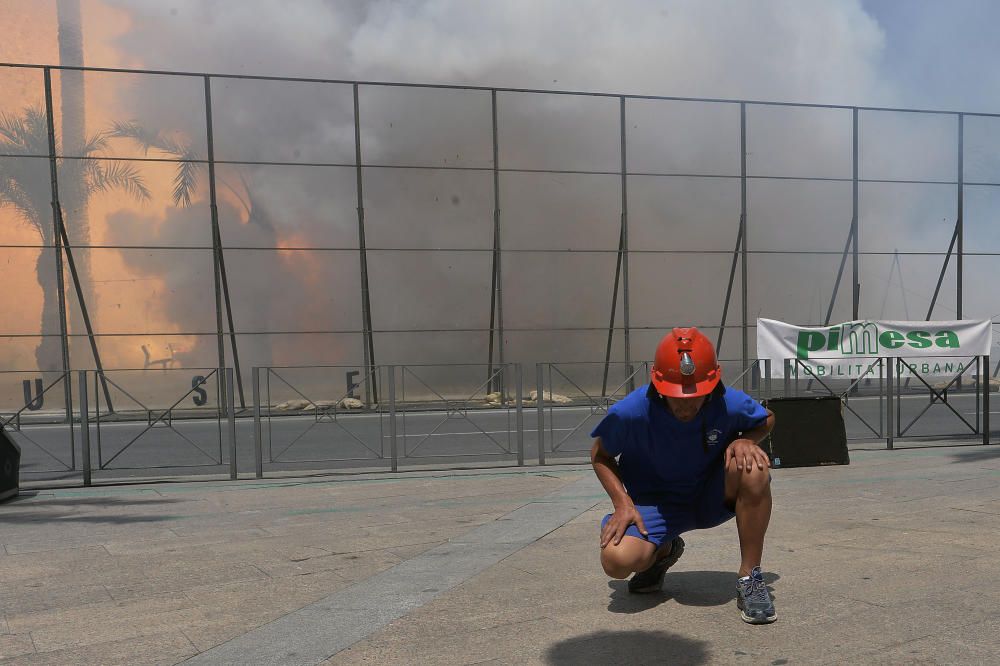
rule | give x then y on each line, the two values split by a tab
823	52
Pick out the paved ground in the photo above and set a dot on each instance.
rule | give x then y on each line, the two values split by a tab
889	560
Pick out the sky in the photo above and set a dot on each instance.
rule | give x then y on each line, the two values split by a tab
875	53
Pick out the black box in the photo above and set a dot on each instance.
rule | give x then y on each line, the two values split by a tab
10	466
807	432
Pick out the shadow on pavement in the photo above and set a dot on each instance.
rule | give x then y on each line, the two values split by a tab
688	588
983	454
628	647
28	509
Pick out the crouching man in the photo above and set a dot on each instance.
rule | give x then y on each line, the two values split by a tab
687	458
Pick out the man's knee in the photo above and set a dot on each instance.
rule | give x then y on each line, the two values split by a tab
615	569
756	484
620	562
753	485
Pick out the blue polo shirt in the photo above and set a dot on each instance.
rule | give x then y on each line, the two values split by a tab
662	459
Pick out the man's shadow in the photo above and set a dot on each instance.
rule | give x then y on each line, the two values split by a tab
688	588
628	647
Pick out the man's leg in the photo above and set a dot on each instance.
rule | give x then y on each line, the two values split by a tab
750	492
628	557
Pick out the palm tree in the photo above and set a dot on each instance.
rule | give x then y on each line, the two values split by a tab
187	159
72	190
24	188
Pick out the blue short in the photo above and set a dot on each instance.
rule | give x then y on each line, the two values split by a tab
672	517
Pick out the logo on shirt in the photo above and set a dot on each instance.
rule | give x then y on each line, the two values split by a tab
712	437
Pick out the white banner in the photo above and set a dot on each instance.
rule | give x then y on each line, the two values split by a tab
848	350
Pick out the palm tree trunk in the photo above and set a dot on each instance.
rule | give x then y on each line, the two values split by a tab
48	353
72	187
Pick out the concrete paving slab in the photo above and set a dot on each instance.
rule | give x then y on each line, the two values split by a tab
109	611
155	650
40	594
311	634
13	645
888	560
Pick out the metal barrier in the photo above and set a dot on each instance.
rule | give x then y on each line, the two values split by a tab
141	434
952	398
435	410
308	415
865	418
572	392
426	413
41	428
896	398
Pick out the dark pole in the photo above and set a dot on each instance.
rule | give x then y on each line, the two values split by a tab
961	221
217	243
216	249
614	304
855	226
371	388
840	275
743	215
729	288
944	269
624	248
83	310
58	233
496	286
229	317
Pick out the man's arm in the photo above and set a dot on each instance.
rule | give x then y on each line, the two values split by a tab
746	450
625	512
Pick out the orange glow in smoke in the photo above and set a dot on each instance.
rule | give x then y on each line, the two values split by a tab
126	302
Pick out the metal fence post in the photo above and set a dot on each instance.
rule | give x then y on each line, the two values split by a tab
518	380
890	426
744	272
984	379
392	417
788	378
540	405
216	235
767	377
84	429
881	395
258	449
231	418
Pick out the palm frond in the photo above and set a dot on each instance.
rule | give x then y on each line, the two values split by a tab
25	134
14	196
129	129
114	174
236	193
94	144
184	183
186	178
146	138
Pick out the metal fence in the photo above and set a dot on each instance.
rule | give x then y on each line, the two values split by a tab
305	420
238	221
177	221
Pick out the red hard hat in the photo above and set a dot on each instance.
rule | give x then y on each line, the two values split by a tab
685	365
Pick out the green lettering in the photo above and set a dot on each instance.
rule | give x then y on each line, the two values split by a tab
892	340
809	341
834	339
919	339
947	339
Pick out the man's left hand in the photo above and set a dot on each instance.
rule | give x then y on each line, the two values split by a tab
746	453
